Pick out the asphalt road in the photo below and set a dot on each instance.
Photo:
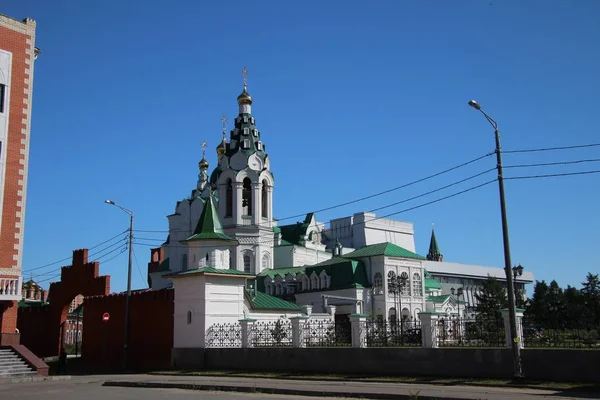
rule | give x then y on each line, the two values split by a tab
83	389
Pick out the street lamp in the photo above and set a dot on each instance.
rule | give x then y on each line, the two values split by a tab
459	292
396	285
128	298
518	371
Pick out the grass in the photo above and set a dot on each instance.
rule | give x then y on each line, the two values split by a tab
394	379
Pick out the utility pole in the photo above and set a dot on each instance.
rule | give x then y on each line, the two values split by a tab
516	346
128	298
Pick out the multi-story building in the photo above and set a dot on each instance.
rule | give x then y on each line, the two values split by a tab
17	55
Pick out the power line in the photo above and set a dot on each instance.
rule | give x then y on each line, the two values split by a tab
71	257
393	189
139	269
552	148
94	255
115	256
553	175
552	163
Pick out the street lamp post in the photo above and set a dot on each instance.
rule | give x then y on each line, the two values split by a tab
395	286
459	293
516	348
128	298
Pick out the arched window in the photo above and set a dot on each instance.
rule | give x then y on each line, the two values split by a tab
270	289
417	284
392	315
265	200
247	263
378	283
265	262
184	262
314	282
417	312
247	197
323	280
406	288
278	289
229	199
189	317
391	277
305	283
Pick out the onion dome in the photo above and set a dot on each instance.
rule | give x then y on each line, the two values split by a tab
244	98
203	164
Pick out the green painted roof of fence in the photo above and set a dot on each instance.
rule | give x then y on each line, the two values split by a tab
262	301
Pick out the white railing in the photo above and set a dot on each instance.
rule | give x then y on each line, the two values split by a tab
10	288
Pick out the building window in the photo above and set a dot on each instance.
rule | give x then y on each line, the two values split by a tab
314	282
391	277
279	289
406	288
265	200
189	317
324	280
378	283
270	289
246	144
265	262
245	119
246	131
259	145
247	262
417	284
255	132
184	262
305	283
252	120
247	197
2	97
229	199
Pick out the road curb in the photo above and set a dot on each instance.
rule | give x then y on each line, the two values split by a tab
26	379
413	382
267	390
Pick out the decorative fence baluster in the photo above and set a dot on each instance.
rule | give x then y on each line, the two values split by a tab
471	332
326	333
272	333
224	335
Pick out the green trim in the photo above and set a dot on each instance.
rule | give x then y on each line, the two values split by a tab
383	249
359	315
209	226
432	313
247	320
299	317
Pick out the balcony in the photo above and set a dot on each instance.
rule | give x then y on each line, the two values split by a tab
10	289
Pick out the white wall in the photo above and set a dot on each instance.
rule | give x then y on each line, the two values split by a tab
189	296
315	300
5	79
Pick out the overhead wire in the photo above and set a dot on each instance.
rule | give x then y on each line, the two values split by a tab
579	146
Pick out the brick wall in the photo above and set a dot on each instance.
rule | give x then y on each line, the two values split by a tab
151	331
17	38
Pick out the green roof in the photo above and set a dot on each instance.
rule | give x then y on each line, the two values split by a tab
262	301
214	176
431	283
438	299
29	304
273	272
209	226
383	249
210	270
294	233
343	273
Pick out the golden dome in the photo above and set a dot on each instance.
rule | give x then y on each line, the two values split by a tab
222	147
203	164
244	98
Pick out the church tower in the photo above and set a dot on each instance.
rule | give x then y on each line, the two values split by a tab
245	188
434	251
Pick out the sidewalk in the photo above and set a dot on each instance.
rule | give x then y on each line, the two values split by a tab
371	390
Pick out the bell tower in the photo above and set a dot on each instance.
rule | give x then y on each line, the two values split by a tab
245	188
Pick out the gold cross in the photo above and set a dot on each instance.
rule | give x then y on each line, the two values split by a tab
203	148
224	121
245	72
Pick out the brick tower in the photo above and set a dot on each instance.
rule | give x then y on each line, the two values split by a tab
17	55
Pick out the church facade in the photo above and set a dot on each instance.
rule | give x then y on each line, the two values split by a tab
361	264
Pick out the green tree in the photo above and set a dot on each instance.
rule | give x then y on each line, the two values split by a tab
536	311
491	298
590	293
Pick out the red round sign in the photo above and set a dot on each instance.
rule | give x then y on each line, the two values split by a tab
105	317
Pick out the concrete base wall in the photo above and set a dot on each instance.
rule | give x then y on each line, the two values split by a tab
555	365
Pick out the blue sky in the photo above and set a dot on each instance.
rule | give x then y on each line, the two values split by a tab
351	98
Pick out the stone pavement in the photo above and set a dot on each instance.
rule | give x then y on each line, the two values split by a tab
370	390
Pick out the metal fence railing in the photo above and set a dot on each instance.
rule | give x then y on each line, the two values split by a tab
581	334
326	333
380	333
272	334
471	332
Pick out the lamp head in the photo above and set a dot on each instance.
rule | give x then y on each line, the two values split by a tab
474	104
519	270
109	202
459	291
452	291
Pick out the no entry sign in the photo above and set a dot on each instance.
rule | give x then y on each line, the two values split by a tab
105	317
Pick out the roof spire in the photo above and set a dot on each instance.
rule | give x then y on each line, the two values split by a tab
203	164
434	251
222	147
245	100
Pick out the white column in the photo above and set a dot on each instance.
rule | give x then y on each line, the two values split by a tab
331	311
270	203
429	329
256	203
298	331
247	325
506	317
237	202
358	326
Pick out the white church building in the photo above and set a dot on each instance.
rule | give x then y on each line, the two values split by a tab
229	259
